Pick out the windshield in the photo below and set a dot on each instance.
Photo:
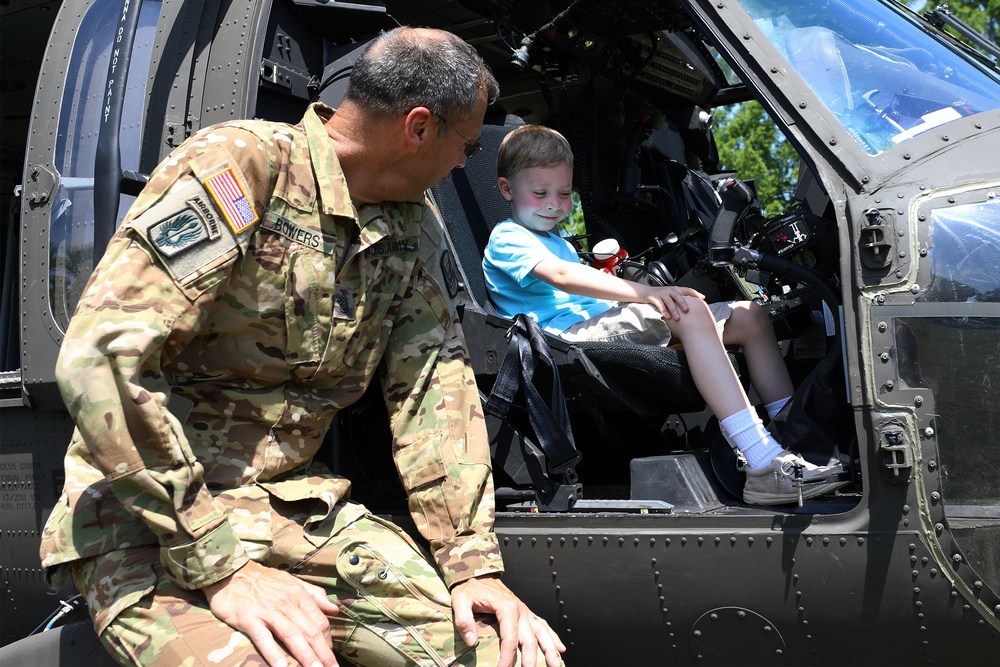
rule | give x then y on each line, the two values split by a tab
886	76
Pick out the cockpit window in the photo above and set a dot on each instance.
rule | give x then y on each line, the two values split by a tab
885	76
965	257
953	350
71	229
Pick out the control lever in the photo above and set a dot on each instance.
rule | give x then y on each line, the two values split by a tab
736	199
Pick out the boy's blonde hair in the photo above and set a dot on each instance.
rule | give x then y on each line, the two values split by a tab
532	146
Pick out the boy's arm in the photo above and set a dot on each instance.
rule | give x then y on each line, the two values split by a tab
588	281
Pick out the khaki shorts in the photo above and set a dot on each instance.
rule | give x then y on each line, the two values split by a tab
636	323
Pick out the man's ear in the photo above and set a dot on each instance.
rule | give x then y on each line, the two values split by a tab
418	126
504	184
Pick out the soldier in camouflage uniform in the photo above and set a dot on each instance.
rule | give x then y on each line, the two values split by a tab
263	277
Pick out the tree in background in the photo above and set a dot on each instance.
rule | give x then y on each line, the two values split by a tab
982	15
751	145
574	225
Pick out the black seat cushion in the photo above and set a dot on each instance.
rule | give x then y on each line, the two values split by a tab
661	375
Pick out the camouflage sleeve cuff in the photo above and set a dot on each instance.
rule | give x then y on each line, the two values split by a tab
472	557
205	561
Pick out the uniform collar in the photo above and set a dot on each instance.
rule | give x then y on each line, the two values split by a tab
379	220
334	197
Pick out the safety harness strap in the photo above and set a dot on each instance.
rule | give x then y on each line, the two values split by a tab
550	421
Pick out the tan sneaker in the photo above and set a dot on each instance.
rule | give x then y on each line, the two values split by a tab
776	483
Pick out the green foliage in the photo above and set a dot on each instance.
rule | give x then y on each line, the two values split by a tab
982	15
750	144
573	225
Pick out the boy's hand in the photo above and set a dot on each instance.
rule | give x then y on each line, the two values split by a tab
672	301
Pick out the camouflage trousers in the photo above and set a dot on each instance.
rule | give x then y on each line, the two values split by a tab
394	606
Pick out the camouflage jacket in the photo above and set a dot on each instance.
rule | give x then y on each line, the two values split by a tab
241	304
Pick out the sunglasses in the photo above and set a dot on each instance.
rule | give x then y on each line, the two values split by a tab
471	147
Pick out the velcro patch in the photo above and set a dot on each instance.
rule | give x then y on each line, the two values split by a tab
231	197
186	231
343	304
177	234
393	247
317	240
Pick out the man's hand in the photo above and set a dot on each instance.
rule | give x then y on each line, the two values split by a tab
267	605
518	626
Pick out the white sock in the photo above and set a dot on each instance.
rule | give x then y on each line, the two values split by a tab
775	408
745	432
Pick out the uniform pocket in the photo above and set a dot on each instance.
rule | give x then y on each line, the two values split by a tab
309	290
397	589
421	469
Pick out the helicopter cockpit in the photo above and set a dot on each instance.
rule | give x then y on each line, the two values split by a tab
633	85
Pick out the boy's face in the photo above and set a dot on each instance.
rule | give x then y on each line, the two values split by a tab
539	196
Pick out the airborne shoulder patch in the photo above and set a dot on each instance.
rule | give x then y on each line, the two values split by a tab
186	230
189	227
177	234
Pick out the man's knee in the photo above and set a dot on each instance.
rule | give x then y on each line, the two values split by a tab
167	629
487	649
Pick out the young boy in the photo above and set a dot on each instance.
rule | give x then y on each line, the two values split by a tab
531	269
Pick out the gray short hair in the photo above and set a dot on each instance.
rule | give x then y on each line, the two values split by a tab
402	69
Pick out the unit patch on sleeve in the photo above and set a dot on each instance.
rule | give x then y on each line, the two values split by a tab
178	233
231	197
188	228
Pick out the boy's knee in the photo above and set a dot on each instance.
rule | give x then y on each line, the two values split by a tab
700	314
753	316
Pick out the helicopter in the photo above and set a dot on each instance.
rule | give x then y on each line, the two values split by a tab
626	529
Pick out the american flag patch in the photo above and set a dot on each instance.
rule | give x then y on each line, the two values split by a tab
227	192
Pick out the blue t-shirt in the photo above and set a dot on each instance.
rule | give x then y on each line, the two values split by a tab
511	255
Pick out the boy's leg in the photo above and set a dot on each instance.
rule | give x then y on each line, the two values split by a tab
711	369
750	328
697	329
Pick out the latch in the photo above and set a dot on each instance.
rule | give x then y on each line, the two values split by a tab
876	239
896	454
41	184
297	83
